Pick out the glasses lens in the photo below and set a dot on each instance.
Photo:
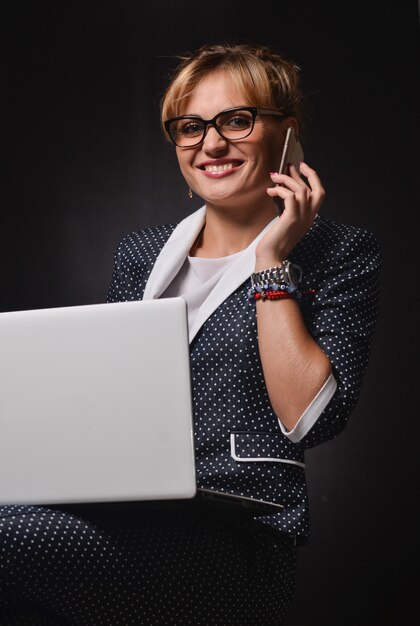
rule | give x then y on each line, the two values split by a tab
189	131
235	124
186	132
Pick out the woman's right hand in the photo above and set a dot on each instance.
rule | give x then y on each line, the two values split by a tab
301	204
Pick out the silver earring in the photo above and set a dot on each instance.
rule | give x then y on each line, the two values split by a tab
189	193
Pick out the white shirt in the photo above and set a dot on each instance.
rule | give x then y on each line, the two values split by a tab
196	280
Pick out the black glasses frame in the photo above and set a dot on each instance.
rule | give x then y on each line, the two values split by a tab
206	123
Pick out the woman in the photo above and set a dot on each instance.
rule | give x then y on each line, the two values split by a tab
281	312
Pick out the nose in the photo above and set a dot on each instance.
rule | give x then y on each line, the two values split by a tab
213	141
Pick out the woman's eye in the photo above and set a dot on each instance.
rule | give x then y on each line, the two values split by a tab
191	128
238	122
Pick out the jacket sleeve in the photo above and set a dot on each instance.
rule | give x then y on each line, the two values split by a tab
129	273
342	321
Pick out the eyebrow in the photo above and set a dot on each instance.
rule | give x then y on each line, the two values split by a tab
236	106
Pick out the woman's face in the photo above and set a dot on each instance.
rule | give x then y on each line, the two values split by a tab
230	173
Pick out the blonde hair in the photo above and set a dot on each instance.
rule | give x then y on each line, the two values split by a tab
266	79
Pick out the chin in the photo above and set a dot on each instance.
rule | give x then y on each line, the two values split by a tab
235	198
222	195
222	200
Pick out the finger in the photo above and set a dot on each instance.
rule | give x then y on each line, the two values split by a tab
283	192
298	191
313	179
295	174
318	192
294	183
295	204
304	192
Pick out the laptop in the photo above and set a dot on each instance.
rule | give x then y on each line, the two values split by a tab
96	407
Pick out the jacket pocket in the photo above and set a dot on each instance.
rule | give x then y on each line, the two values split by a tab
246	447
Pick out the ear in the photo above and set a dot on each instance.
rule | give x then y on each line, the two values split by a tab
290	121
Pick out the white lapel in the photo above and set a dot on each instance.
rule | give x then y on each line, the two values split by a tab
173	255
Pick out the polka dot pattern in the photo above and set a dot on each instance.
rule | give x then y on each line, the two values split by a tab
342	264
57	569
62	567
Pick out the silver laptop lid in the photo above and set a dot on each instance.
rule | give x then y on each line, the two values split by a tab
95	404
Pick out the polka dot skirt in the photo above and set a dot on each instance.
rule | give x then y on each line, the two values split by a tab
58	568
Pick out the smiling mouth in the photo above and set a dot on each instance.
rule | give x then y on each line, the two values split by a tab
220	168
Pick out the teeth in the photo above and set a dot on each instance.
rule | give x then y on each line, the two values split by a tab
218	168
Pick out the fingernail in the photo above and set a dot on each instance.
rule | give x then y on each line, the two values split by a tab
272	173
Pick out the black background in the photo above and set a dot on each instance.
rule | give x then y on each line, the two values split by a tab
85	163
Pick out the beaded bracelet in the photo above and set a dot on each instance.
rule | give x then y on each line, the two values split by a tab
276	292
272	295
272	291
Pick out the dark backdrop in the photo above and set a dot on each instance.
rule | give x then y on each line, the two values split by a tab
85	163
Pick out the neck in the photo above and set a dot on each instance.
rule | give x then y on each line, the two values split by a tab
227	232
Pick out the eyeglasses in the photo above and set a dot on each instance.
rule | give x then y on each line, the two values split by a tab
233	124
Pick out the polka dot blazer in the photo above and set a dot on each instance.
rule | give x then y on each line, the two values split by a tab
240	447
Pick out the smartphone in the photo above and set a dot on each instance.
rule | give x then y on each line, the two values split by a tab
292	153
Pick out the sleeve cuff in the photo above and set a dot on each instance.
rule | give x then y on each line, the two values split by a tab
312	412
